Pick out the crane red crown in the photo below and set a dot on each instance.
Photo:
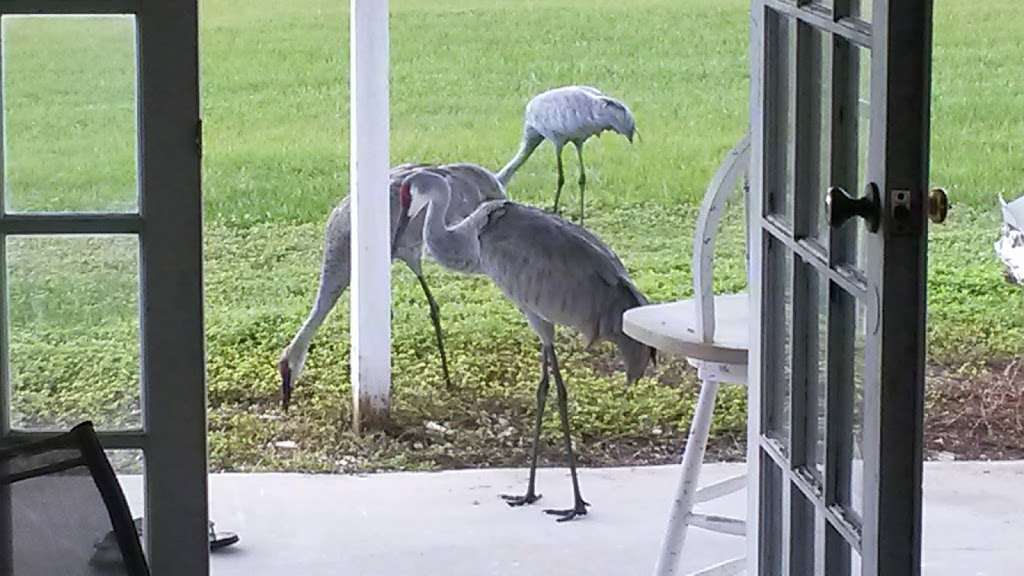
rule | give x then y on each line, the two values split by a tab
406	195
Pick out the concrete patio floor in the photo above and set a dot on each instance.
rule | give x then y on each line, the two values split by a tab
453	524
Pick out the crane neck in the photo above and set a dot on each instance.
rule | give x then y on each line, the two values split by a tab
528	144
434	224
456	248
509	170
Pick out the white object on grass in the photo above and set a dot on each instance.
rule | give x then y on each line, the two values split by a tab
1010	246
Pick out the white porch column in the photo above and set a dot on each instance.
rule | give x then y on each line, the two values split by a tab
371	221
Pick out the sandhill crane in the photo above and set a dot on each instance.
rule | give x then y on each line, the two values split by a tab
471	185
556	272
568	114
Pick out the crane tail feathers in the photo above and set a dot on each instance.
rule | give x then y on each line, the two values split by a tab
636	355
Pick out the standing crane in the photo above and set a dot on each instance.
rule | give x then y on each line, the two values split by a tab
471	185
556	272
568	114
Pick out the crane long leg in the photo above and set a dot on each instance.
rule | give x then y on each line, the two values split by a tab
531	495
561	177
579	506
435	317
583	178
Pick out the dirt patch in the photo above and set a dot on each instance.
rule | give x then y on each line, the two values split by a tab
975	413
971	413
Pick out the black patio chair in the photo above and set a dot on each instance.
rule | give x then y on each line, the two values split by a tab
62	510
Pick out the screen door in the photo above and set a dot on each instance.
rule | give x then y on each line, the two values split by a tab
840	120
101	252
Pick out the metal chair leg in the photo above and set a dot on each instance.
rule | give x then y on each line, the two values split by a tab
682	504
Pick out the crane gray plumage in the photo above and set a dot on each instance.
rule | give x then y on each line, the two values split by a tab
471	186
568	114
557	273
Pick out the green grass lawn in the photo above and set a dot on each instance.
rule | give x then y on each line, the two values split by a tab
275	106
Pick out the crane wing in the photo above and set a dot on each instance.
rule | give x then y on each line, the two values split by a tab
565	114
556	270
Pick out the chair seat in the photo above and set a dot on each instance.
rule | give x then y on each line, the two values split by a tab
672	328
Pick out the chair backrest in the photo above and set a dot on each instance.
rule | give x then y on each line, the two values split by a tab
716	197
65	509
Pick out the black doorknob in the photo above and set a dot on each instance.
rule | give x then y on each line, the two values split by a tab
840	207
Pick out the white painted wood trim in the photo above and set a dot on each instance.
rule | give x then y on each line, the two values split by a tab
173	351
721	488
670	328
720	371
681	511
727	568
711	211
371	220
720	524
754	287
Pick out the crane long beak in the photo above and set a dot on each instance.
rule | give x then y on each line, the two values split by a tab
636	133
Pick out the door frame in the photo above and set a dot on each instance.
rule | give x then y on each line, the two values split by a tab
168	224
888	533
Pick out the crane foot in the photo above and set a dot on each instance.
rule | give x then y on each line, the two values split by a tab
515	501
570	514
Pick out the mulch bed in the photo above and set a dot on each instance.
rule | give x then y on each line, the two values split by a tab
975	413
971	413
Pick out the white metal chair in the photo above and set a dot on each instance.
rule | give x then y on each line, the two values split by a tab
711	332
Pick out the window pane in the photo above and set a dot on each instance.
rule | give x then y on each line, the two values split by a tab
861	9
811	146
823	91
838	554
772	485
777	328
127	463
69	113
817	367
801	532
850	135
863	64
856	483
779	114
130	465
808	376
74	331
847	325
